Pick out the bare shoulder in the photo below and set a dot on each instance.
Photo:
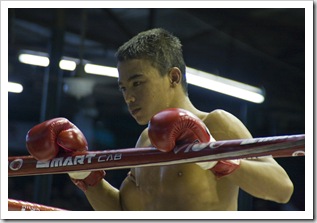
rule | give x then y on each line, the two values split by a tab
143	140
218	115
220	119
224	125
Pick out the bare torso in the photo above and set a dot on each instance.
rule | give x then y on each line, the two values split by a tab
188	186
181	187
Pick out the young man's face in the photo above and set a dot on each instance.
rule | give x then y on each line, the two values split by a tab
144	90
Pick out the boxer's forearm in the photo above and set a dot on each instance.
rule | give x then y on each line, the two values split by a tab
104	197
263	178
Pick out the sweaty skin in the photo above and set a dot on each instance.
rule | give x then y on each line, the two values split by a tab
177	187
187	186
183	186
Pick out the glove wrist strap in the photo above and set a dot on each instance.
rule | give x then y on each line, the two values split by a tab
225	167
91	180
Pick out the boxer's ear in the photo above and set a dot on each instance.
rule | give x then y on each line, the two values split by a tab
175	76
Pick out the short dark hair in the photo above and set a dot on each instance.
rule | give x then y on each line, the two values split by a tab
158	46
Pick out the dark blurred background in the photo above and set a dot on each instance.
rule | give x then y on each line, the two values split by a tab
264	47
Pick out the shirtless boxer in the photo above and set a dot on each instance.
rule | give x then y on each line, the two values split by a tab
152	80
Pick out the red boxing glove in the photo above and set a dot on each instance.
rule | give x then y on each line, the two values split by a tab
225	167
83	180
175	126
45	140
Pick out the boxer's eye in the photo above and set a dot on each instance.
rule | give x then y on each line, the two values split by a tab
137	83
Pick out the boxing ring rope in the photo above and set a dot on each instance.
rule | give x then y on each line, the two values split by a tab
274	146
15	205
277	146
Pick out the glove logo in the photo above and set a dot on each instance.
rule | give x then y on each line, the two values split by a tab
16	164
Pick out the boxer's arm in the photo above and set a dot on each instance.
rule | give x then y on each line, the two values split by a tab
264	177
104	197
47	139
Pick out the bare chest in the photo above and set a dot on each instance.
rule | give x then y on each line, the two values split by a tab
177	187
